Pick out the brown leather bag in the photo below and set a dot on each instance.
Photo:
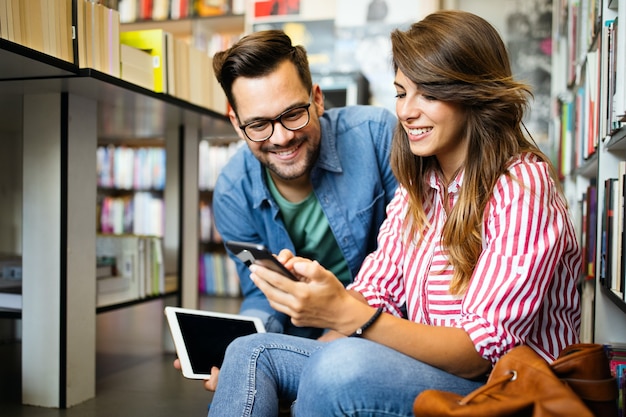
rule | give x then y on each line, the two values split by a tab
585	369
523	384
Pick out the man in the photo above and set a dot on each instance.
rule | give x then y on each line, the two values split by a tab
313	181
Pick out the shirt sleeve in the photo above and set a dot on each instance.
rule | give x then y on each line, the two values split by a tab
523	241
233	222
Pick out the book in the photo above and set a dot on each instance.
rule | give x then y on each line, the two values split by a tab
205	8
11	300
179	9
589	266
33	25
106	266
10	281
124	286
195	76
607	233
136	66
618	281
145	9
65	31
621	276
112	20
158	267
170	63
81	34
153	41
17	9
160	9
181	55
128	11
620	376
4	20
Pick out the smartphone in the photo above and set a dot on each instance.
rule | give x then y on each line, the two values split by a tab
250	253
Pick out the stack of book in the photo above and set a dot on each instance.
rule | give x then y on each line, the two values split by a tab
179	70
42	25
98	37
10	282
137	268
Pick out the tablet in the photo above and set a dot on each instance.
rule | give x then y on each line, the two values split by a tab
201	337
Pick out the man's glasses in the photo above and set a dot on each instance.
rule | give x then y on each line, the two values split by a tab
292	119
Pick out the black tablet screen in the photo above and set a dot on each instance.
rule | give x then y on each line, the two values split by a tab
207	337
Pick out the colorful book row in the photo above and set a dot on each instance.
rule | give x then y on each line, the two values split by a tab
208	231
138	10
217	275
616	353
130	168
141	213
211	160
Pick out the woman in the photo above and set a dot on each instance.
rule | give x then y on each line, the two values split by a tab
477	254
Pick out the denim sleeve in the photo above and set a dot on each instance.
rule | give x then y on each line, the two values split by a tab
385	132
234	221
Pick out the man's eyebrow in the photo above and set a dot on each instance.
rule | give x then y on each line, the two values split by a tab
258	118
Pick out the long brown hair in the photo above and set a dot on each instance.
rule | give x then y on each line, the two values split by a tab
459	57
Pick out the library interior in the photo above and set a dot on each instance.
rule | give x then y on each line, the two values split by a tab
114	130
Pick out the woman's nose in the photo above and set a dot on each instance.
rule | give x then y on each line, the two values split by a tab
408	109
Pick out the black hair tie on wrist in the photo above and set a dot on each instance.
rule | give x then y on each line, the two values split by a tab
359	332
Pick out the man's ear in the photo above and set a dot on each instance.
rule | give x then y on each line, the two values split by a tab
235	122
318	99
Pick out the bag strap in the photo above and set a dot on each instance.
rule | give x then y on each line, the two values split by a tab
502	379
596	390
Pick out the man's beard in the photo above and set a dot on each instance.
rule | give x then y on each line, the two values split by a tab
287	173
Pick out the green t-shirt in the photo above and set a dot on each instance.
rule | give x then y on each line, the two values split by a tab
310	232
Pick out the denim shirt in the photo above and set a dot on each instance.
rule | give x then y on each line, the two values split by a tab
352	180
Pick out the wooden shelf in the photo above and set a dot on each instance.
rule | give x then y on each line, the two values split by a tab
125	109
56	113
619	302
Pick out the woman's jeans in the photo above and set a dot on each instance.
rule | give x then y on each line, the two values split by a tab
345	377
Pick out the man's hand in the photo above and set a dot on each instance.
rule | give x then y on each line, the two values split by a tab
209	384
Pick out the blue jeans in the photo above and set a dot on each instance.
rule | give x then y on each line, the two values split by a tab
348	376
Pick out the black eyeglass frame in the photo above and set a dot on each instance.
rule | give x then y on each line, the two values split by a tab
278	118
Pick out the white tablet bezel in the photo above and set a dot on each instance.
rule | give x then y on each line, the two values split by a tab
179	342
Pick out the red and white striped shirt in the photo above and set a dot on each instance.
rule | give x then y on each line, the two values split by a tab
523	289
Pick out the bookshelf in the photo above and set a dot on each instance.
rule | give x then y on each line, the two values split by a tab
185	27
589	69
216	273
55	113
207	33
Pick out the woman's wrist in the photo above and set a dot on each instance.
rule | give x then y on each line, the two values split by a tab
359	332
